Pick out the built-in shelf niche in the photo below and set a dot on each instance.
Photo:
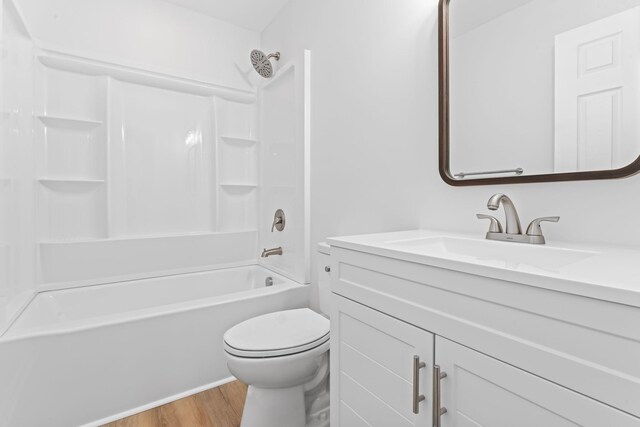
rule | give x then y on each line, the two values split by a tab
72	210
57	184
73	95
68	123
71	141
238	185
237	163
237	160
238	140
238	208
72	147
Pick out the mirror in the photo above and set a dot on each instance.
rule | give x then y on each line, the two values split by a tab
539	90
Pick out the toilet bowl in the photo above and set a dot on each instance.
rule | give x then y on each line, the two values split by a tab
284	359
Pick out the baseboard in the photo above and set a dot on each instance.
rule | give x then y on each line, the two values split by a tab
157	403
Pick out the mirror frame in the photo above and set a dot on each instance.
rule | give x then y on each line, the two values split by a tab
444	132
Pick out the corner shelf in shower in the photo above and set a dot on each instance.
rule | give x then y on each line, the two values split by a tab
239	185
238	140
69	123
70	184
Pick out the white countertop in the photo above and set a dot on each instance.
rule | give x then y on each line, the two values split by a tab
596	271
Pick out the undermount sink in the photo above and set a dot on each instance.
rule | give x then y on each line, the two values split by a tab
504	253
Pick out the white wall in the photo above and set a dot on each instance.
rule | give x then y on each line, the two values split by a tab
149	34
375	131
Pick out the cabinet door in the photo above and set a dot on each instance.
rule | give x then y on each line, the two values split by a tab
481	391
372	369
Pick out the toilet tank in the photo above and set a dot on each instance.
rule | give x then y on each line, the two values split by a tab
324	278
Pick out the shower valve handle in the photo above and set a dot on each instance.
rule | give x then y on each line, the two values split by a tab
278	221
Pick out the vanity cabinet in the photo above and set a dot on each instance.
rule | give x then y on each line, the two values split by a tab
380	369
481	391
513	355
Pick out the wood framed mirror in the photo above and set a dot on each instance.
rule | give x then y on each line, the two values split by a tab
538	90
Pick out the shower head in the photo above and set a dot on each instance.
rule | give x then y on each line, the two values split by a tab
261	62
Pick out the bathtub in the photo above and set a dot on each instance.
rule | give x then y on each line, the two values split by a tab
87	356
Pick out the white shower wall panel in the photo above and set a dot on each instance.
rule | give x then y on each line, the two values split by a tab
72	210
285	139
69	94
237	119
72	153
17	249
161	161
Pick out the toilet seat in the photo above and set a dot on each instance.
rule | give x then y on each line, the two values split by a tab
277	334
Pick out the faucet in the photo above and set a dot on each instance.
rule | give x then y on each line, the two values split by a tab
511	215
513	231
273	251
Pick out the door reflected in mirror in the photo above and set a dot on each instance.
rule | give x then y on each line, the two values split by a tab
540	87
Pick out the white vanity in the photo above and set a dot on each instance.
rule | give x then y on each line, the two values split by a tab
522	335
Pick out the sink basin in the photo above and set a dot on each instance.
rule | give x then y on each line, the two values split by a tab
504	254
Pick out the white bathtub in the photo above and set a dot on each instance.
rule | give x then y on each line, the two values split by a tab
91	355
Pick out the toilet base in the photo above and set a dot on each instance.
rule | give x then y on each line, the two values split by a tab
276	407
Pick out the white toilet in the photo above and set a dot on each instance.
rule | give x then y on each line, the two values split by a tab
284	359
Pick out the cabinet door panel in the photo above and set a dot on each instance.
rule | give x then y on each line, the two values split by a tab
368	405
393	390
348	417
372	368
481	391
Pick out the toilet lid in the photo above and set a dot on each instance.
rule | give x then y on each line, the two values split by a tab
277	334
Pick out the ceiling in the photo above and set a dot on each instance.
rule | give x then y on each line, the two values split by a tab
468	14
251	14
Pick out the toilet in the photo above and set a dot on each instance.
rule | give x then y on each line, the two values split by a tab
284	359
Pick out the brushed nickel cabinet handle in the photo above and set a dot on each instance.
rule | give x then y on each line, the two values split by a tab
438	410
417	397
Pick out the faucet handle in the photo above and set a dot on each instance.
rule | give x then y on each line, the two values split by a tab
534	228
495	226
278	221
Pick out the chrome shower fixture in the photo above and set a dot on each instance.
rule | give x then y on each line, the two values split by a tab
261	62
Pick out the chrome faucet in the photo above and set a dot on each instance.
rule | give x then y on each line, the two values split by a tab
513	228
270	252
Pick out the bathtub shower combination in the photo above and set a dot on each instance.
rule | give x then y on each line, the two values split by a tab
136	197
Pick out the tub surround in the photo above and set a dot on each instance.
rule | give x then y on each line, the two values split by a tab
493	314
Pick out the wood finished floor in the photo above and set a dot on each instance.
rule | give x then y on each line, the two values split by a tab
218	407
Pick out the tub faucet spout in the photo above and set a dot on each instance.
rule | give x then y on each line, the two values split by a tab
273	251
